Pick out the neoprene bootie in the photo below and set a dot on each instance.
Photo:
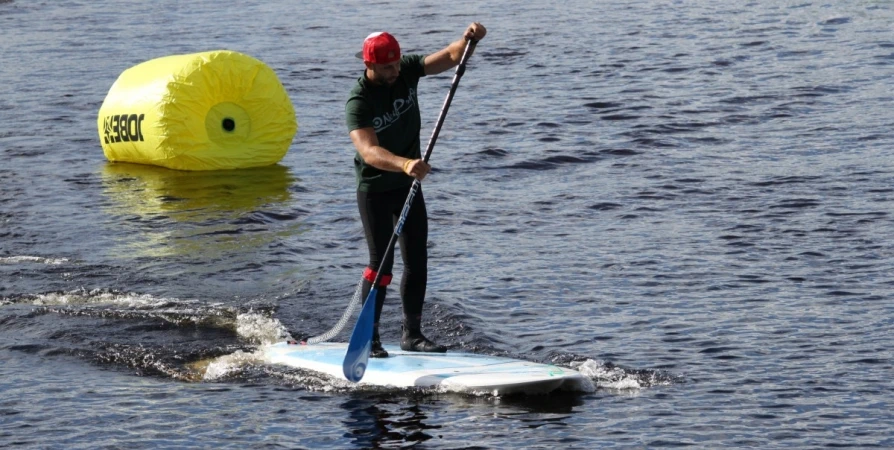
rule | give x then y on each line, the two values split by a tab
377	351
412	340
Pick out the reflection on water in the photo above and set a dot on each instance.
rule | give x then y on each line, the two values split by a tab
385	421
177	213
381	422
193	196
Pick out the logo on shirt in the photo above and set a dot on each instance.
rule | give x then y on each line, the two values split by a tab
401	106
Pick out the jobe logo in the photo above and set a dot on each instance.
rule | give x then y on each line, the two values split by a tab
123	127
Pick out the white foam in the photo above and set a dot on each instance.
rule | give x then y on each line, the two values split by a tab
97	297
260	328
34	259
607	376
226	365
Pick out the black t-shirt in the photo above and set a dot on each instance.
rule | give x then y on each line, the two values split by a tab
393	112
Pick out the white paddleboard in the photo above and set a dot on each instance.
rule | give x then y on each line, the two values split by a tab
451	371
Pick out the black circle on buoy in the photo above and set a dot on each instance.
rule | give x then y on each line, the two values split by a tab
229	124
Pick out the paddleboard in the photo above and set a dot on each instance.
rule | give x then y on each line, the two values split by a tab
451	371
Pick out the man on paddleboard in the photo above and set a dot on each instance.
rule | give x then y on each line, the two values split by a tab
383	118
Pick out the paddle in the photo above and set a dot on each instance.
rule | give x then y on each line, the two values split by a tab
357	355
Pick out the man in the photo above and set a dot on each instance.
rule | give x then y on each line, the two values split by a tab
382	114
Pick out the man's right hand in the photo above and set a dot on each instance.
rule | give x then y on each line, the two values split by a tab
416	168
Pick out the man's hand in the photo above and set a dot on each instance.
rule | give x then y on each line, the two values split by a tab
416	168
475	31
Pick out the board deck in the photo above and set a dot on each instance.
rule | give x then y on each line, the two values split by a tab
451	371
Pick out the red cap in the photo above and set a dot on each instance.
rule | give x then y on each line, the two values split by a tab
380	48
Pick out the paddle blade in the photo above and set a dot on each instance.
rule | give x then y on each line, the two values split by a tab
354	365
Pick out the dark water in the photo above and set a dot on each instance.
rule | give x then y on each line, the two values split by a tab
691	202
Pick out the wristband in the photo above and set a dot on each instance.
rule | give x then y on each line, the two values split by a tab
406	163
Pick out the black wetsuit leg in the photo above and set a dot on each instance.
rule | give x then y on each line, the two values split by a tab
379	213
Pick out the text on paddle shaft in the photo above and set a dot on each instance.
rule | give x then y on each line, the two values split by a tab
123	127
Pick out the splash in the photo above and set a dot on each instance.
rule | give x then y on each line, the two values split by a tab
227	366
259	327
609	376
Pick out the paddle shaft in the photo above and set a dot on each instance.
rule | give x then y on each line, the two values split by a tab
460	70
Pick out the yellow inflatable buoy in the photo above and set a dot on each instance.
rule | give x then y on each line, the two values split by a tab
203	111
